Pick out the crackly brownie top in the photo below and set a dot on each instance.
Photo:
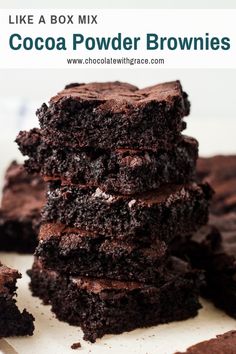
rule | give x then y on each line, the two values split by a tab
118	94
170	193
69	238
49	230
222	344
220	172
8	277
23	195
96	286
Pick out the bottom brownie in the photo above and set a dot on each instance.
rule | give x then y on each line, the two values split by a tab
102	306
12	321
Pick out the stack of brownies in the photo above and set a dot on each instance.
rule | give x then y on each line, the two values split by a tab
120	187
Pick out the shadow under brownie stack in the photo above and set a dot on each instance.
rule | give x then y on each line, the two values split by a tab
120	187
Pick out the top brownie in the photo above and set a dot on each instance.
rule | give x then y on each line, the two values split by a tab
115	115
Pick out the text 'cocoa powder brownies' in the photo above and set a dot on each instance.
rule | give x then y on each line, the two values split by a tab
121	186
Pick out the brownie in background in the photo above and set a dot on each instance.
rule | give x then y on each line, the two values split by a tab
220	172
104	306
23	196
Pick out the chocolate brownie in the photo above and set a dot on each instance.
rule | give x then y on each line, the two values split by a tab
198	248
222	344
220	172
77	252
221	283
215	252
159	214
22	199
103	306
115	115
12	321
121	171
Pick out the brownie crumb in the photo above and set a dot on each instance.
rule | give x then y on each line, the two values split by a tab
76	345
